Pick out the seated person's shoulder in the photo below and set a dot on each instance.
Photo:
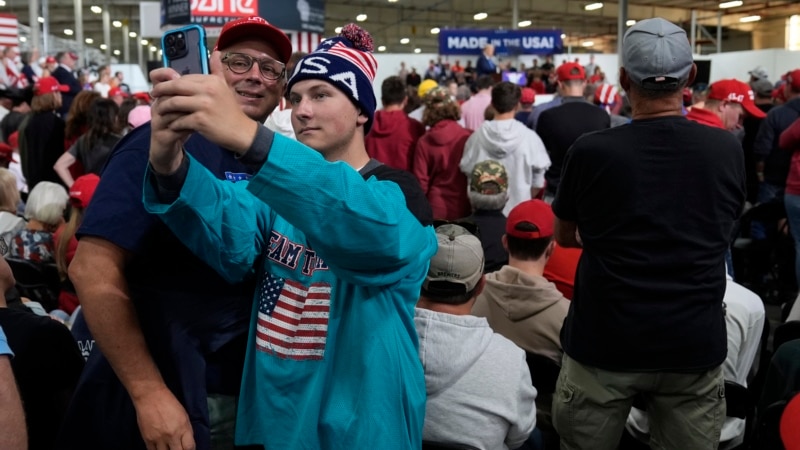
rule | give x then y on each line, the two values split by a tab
416	201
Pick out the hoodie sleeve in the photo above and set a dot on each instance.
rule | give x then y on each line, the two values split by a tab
525	404
538	160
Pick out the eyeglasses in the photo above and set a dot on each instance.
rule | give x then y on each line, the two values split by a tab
240	63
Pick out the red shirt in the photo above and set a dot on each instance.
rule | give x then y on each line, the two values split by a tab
705	117
560	269
790	140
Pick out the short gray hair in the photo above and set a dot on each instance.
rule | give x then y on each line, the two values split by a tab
46	203
488	202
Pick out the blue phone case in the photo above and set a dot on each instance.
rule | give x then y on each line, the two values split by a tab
191	59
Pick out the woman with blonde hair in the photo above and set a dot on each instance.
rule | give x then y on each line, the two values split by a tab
438	154
45	213
80	194
10	222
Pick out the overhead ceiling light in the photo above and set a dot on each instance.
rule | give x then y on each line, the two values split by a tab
392	1
405	40
103	46
40	19
2	3
116	24
96	9
480	16
153	48
132	34
750	19
587	44
361	17
630	22
733	4
593	6
23	39
89	40
435	30
382	48
417	50
563	36
524	23
117	52
68	32
338	30
144	42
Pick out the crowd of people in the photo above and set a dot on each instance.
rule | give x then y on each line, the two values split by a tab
269	259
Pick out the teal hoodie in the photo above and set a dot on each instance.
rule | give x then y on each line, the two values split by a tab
332	359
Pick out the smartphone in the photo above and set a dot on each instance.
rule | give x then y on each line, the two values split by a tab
184	49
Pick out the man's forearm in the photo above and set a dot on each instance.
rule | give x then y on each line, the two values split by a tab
99	281
566	234
13	434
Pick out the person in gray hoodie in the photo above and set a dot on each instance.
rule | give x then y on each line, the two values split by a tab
506	140
478	383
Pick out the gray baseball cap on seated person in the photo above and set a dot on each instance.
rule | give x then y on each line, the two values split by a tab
656	54
457	266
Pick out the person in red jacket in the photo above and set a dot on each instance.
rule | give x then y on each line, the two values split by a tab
438	154
393	135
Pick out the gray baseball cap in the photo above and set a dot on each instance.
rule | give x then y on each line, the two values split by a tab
762	88
759	73
656	54
458	262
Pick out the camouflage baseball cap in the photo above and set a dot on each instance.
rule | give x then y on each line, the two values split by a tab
489	178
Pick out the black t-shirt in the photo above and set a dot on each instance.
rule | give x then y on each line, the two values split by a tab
416	202
94	157
561	126
46	364
655	202
492	227
751	125
190	316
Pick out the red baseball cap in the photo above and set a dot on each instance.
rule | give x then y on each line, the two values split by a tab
13	140
570	71
47	85
83	189
50	60
533	212
790	432
737	92
528	95
116	91
6	152
255	27
793	78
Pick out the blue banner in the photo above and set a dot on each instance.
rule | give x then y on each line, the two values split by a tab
506	42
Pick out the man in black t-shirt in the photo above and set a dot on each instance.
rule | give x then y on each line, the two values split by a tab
653	206
559	127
